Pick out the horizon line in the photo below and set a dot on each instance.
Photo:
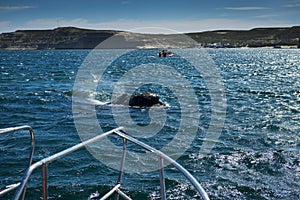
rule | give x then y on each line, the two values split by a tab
133	30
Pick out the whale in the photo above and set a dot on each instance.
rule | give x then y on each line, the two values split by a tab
142	100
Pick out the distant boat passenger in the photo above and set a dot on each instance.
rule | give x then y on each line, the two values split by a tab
165	53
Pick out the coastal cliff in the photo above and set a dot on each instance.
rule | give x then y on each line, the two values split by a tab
59	38
258	37
77	38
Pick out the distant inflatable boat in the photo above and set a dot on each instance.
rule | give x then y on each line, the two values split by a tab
165	53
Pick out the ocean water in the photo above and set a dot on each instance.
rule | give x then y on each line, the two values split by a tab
256	156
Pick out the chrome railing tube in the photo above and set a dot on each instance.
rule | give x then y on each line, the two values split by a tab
13	129
55	157
21	187
188	175
162	179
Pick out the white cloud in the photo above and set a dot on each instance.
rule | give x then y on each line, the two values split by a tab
125	2
50	23
246	8
153	26
267	16
4	23
10	8
5	26
189	25
291	5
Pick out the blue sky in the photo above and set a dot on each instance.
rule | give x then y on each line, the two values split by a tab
180	16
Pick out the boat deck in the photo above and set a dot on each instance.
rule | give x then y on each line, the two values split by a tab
20	187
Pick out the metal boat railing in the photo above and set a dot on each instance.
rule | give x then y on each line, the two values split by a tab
21	187
16	185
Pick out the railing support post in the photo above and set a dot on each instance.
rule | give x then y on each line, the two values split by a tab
45	180
122	166
162	179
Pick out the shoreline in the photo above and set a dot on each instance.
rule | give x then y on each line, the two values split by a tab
154	48
76	38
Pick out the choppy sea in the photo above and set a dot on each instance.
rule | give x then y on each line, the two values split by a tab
255	156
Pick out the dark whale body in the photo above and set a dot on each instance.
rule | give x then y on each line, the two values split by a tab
145	99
